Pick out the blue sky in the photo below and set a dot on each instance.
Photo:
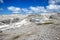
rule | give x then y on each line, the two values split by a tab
28	6
24	3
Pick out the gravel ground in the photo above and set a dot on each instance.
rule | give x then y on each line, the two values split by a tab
32	32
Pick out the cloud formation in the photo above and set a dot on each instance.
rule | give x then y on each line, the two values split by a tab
38	9
54	1
1	1
14	9
52	7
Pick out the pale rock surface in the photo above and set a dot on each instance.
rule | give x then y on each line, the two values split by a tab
26	30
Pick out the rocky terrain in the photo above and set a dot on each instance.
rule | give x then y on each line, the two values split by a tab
24	29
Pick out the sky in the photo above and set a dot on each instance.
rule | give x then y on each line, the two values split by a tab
29	6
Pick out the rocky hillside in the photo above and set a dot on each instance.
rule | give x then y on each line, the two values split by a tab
28	30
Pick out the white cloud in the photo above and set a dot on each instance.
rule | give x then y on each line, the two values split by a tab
31	9
25	10
57	1
1	1
53	7
37	9
14	9
50	8
54	1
